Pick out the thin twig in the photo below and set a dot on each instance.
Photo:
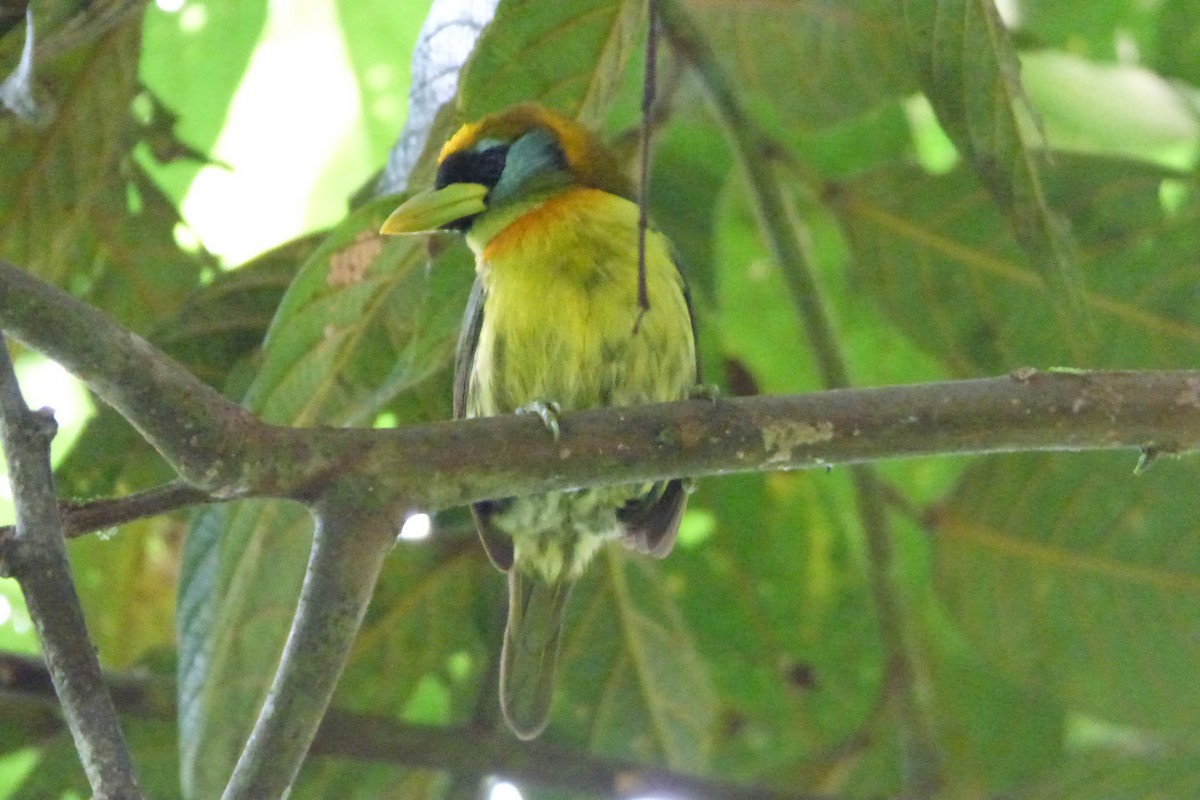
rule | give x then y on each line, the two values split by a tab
38	560
80	518
648	88
87	516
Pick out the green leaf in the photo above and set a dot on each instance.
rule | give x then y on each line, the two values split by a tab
126	584
1178	36
691	164
778	606
415	628
967	65
74	207
1081	580
54	181
568	56
140	275
222	324
239	581
993	730
807	65
58	774
935	255
1104	775
321	779
1097	29
416	634
633	683
108	458
363	321
1122	109
382	78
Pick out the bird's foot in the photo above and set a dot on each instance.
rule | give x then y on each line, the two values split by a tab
547	411
705	391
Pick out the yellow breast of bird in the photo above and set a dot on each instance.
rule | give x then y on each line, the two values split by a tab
561	315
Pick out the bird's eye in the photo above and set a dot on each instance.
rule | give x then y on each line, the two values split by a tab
473	166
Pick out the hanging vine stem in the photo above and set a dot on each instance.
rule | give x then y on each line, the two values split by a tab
648	89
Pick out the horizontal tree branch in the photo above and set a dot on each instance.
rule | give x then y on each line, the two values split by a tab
223	451
445	464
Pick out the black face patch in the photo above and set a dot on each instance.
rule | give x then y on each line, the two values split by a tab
472	166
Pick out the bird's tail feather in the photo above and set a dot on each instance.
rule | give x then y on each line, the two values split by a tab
530	658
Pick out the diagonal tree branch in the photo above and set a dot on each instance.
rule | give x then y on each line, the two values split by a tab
199	432
787	241
41	568
351	539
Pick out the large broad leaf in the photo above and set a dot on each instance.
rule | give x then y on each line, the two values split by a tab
126	584
633	683
1178	35
1103	775
383	80
994	729
565	55
776	600
1105	32
691	164
73	207
238	584
967	65
364	321
936	255
809	64
1123	109
1081	579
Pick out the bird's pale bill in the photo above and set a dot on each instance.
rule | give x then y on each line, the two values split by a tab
429	210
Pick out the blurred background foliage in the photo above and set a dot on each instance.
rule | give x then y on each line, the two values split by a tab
979	188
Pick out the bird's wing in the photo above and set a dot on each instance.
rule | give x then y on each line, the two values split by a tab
652	522
498	546
464	354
